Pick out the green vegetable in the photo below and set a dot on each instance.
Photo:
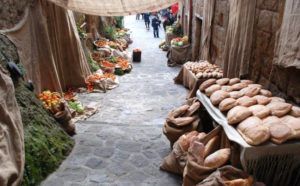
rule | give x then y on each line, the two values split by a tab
119	71
77	106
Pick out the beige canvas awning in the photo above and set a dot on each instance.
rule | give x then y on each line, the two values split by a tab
114	7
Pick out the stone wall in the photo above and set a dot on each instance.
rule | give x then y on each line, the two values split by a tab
219	30
283	82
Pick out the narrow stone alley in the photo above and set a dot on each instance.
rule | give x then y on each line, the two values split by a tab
123	143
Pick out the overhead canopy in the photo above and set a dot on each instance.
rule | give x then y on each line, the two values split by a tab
114	7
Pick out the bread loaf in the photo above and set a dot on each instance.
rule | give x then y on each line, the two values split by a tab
192	109
207	84
234	81
295	111
252	130
265	92
226	88
260	111
239	86
280	133
255	85
250	91
236	94
227	104
262	100
271	120
294	124
212	145
212	89
223	81
238	114
246	101
182	121
277	99
279	109
247	81
218	96
197	149
218	158
185	140
180	111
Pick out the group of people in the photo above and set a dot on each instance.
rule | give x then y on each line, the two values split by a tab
166	15
155	22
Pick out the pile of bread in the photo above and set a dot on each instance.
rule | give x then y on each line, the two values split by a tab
204	69
181	120
196	155
257	115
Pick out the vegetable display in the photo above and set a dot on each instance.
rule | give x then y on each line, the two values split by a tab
94	79
101	43
180	41
50	100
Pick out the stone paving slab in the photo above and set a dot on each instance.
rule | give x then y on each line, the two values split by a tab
115	155
123	144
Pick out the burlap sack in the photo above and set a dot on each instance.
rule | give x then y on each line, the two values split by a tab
176	160
179	55
195	172
173	133
65	119
173	128
169	37
227	176
11	134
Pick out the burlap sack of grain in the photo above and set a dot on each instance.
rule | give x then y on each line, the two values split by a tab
196	169
11	134
179	55
64	117
228	176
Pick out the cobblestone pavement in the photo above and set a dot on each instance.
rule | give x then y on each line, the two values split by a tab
123	144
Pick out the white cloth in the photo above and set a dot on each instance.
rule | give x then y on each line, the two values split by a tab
114	7
248	152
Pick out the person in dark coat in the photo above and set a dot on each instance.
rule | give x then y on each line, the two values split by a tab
156	24
147	20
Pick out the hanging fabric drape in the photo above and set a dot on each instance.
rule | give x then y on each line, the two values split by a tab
114	7
288	45
49	47
12	157
238	43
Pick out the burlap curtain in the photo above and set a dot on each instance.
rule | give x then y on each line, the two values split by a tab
49	47
238	43
288	45
114	7
11	134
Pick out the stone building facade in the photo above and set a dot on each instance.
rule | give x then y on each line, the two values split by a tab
268	18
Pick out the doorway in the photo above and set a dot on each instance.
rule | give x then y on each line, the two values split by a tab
197	46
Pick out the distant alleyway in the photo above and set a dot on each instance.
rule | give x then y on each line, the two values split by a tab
123	143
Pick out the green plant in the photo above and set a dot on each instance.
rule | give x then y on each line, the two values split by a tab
178	30
119	21
109	32
81	31
92	64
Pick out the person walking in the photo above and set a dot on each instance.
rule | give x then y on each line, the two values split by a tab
137	17
156	24
147	20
